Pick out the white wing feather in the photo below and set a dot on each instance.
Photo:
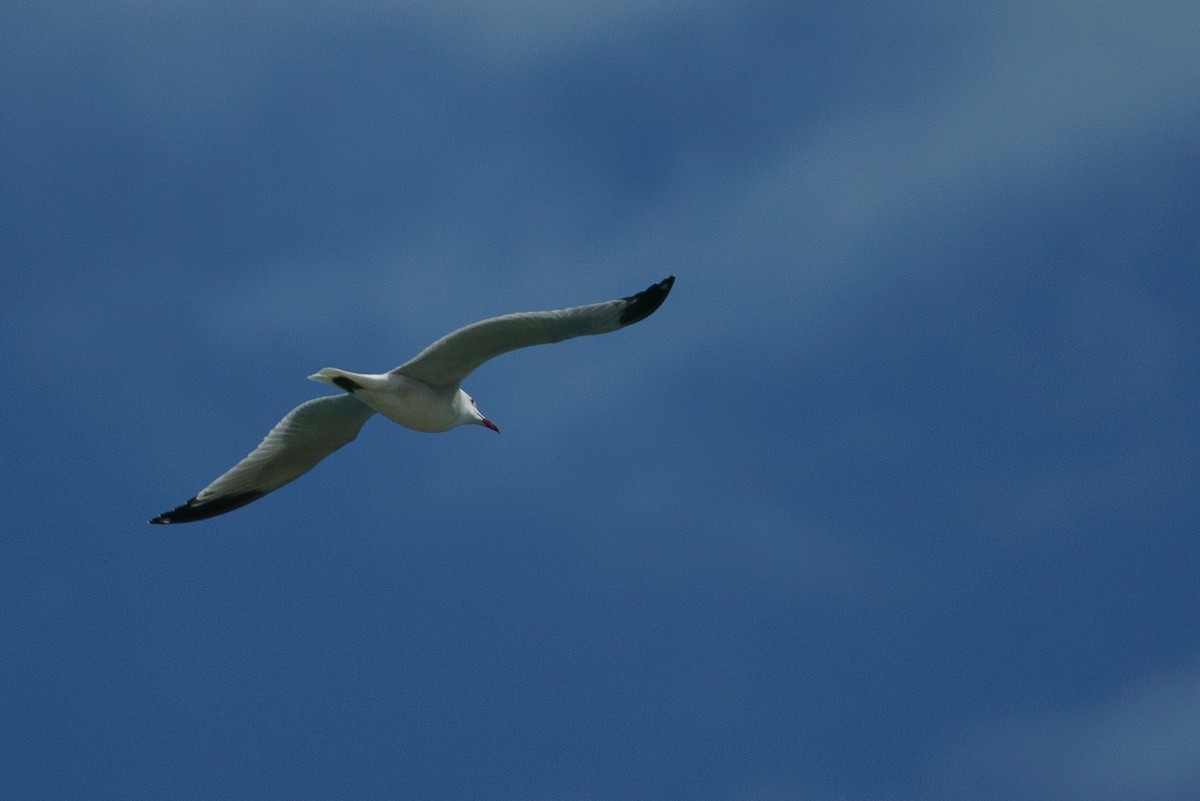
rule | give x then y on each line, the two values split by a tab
453	357
304	437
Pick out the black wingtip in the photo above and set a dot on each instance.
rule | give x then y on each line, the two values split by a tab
192	510
645	303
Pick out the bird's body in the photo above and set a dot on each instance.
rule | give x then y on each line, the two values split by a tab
407	401
422	394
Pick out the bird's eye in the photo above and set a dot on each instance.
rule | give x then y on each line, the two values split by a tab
472	401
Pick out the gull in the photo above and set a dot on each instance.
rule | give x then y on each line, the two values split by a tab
422	394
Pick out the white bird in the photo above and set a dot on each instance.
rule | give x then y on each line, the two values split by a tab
422	394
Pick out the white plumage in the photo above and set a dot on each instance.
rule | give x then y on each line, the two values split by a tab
422	394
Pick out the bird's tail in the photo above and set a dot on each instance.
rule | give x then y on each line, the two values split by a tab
341	379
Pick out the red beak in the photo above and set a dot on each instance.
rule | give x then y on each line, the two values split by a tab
490	425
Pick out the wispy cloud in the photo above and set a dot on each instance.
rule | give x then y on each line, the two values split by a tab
1052	89
1140	742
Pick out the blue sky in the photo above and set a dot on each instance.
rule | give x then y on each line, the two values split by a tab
894	498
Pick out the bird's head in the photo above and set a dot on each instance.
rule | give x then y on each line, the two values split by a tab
470	413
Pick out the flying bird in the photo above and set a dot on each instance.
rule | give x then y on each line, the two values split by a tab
422	394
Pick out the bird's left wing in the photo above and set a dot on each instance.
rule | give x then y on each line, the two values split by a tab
308	434
452	358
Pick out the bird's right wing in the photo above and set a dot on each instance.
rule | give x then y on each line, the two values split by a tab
308	434
452	358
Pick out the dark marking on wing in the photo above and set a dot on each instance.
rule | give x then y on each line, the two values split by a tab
643	304
193	510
